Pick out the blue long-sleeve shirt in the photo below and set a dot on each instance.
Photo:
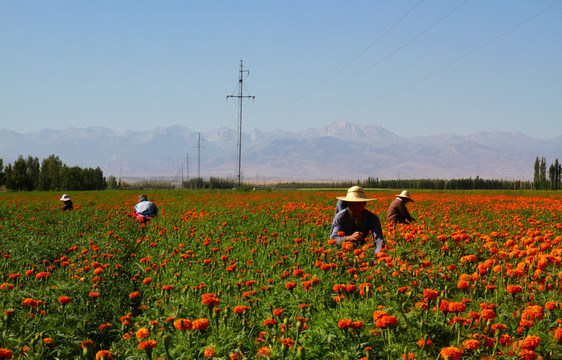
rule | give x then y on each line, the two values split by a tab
343	221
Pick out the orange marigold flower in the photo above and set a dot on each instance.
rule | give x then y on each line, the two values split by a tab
290	285
531	342
6	286
269	322
42	275
451	353
103	327
264	350
558	335
462	285
497	327
527	355
456	307
344	323
29	302
385	321
87	344
377	314
50	342
200	324
430	294
210	352
240	309
470	344
210	299
533	312
468	258
183	324
147	345
287	342
357	324
104	355
514	289
5	353
444	306
94	295
235	355
134	295
142	333
65	299
424	342
488	314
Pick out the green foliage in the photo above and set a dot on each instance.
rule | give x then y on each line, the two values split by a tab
28	175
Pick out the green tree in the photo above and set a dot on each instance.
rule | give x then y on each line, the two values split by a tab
112	183
557	171
72	178
32	171
542	174
50	176
92	179
551	176
8	170
18	179
536	177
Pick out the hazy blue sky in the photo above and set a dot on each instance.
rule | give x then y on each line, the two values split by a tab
413	67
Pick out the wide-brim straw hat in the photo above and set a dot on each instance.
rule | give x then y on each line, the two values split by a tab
64	197
355	194
405	194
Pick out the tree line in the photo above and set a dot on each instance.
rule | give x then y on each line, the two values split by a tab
27	174
426	184
540	180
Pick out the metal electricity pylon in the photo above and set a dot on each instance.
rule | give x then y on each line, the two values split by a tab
240	97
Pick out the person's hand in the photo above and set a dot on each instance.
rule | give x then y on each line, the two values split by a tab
356	236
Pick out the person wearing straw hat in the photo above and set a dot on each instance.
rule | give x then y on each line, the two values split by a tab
397	211
66	203
354	223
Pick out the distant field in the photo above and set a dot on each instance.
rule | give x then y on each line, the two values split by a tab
245	275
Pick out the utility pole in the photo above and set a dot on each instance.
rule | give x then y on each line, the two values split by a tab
187	167
240	97
180	177
199	155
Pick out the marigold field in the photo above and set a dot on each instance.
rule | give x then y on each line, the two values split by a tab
254	275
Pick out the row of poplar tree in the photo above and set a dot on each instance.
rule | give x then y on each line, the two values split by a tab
540	180
51	174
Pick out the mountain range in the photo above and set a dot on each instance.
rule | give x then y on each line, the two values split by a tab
340	151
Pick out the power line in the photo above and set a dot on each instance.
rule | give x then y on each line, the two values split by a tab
405	44
476	49
362	52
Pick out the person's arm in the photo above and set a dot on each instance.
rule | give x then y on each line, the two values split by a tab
337	228
404	211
